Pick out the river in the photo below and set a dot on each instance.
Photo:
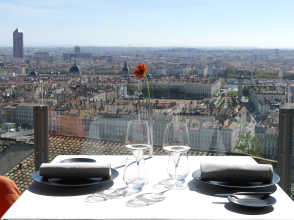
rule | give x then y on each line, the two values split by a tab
233	86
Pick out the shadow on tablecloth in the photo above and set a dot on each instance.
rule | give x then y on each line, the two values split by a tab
112	193
144	200
248	211
47	190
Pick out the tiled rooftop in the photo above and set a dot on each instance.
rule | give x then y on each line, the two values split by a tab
65	145
5	144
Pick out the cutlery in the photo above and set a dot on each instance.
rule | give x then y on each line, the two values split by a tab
244	193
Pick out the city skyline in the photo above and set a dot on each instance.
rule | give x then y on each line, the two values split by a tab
188	23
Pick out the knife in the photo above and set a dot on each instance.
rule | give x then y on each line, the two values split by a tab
244	193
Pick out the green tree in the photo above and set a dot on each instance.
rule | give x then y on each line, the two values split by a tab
193	72
234	102
229	103
223	82
63	71
229	70
249	145
109	72
6	70
84	72
266	74
288	76
246	91
131	91
248	117
223	95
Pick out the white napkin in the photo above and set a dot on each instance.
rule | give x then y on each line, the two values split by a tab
236	172
76	170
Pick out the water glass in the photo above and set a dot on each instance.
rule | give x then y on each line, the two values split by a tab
176	143
183	168
137	138
134	174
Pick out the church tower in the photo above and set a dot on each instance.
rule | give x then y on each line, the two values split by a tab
125	70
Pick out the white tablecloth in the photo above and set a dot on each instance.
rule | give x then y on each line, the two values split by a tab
196	202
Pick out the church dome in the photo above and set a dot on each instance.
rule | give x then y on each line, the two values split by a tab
34	73
75	69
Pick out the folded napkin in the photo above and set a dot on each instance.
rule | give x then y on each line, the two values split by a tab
236	173
76	170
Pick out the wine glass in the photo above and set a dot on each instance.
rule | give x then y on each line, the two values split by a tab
137	140
176	142
134	175
183	168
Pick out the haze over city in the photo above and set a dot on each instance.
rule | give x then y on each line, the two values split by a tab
186	23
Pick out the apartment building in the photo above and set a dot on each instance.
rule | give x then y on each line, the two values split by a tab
180	70
10	114
258	95
113	125
159	126
25	113
268	138
5	74
208	89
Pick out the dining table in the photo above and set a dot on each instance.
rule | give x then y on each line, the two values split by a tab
154	201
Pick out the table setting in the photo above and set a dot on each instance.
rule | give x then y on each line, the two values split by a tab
177	186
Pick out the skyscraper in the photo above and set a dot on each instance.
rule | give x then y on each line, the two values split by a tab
77	49
277	52
18	43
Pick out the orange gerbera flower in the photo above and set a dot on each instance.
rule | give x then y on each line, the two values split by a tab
140	72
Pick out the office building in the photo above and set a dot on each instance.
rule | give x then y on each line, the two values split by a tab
77	49
18	44
277	52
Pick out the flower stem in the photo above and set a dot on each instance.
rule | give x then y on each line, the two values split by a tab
148	90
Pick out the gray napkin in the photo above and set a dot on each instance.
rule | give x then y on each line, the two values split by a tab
76	170
236	173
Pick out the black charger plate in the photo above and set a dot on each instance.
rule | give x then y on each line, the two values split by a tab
249	185
253	201
65	182
68	182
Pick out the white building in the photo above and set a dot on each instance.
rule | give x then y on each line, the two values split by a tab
180	70
208	90
25	113
6	74
209	68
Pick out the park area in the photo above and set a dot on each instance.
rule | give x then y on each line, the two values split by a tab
232	93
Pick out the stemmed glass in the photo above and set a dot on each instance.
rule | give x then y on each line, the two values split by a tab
183	168
176	142
137	140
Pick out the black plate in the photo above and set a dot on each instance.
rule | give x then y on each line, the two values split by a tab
78	160
250	185
253	201
63	182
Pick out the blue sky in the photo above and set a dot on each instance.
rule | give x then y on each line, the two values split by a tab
205	23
